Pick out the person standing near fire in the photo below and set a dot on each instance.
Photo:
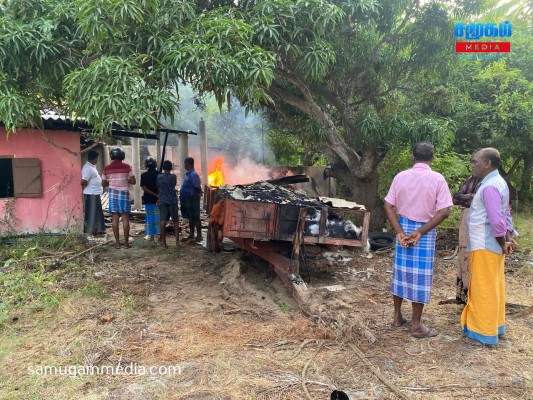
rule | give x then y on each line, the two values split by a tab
190	192
168	201
418	201
150	197
91	182
118	176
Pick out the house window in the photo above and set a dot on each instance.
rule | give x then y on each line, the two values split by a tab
20	177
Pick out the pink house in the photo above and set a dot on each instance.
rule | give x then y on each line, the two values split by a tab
40	174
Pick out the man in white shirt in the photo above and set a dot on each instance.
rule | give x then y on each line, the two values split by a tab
91	182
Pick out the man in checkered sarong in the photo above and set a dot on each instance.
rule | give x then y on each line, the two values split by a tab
118	176
418	201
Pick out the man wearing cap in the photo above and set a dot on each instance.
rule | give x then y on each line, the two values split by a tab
150	197
168	201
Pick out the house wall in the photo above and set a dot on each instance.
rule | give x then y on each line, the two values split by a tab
60	207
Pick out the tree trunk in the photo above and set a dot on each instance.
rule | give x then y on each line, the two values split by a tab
364	191
525	181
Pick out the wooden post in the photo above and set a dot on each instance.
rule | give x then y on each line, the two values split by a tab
184	152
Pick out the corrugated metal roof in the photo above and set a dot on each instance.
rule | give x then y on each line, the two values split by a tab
55	116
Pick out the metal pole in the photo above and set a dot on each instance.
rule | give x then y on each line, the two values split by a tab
158	146
135	160
164	151
203	150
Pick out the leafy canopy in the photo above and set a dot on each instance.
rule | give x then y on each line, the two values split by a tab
119	61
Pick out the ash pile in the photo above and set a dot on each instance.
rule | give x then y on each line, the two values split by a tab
267	192
324	215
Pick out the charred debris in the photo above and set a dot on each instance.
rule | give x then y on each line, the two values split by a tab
277	191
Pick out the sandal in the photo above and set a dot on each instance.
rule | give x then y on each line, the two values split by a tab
426	332
404	321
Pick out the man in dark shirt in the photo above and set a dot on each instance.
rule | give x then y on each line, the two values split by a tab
190	192
168	201
150	196
463	198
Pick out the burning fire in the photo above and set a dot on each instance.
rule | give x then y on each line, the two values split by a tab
216	178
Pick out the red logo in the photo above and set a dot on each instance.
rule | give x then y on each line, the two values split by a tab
482	47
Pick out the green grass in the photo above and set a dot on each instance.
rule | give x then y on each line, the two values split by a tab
24	280
523	223
283	307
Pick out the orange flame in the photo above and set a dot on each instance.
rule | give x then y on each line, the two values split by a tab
216	178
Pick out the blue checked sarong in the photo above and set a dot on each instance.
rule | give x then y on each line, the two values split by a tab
119	201
413	266
151	220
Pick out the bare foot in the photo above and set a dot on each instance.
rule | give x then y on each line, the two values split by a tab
127	245
117	245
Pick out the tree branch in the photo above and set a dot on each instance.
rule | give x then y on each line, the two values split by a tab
307	104
52	143
341	106
389	39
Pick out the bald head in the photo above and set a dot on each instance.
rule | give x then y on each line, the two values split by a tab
485	161
492	155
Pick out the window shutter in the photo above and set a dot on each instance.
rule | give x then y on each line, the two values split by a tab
27	177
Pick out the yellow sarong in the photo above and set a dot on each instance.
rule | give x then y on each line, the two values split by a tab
483	317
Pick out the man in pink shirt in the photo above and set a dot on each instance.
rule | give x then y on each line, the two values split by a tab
119	176
418	201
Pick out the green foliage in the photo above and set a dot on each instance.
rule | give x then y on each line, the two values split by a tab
92	289
395	162
454	167
496	111
523	223
287	148
23	286
23	276
295	148
120	61
119	95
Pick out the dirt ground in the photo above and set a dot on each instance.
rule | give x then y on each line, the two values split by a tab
235	332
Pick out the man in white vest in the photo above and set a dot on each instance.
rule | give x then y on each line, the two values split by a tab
490	232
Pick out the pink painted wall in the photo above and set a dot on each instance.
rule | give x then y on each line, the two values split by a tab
60	208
